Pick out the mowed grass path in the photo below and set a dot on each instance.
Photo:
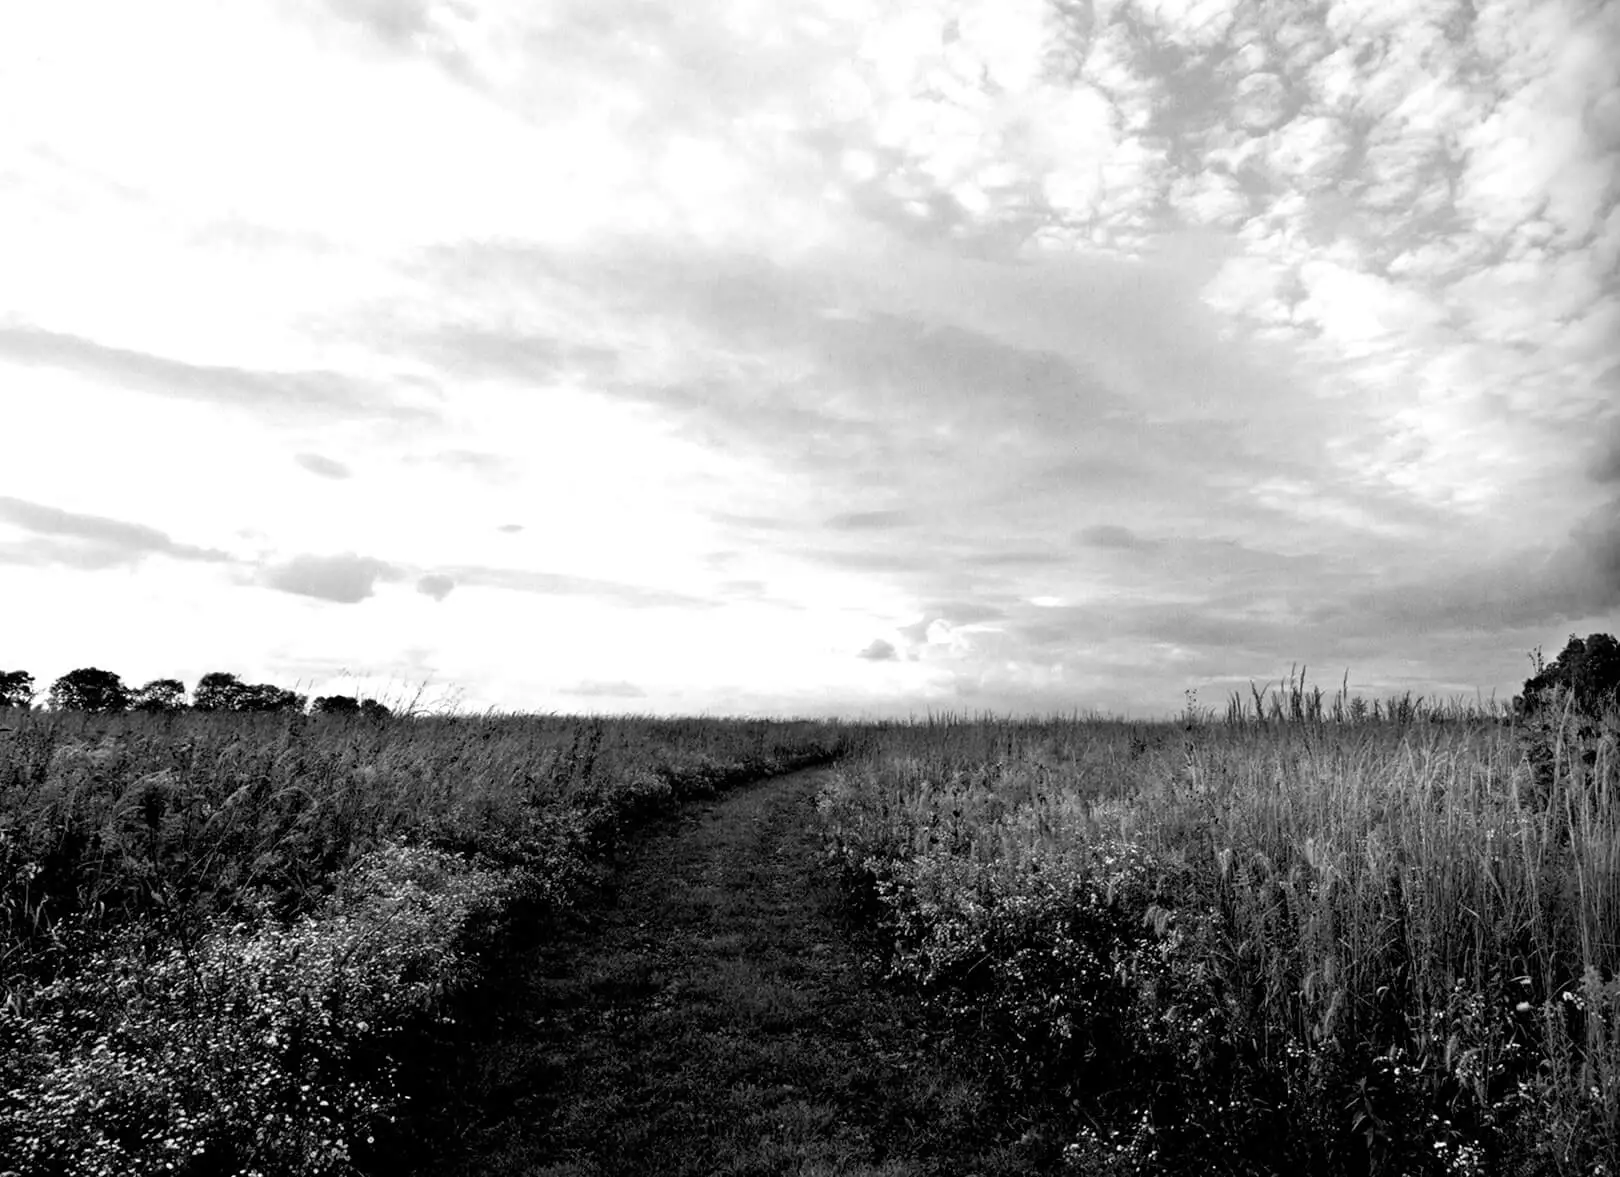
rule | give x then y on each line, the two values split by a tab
713	1016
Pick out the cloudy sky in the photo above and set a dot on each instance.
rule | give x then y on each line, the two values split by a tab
822	356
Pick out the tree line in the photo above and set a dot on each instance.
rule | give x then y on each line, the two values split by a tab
105	693
1587	673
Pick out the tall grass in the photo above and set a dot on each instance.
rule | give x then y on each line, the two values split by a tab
1346	938
218	933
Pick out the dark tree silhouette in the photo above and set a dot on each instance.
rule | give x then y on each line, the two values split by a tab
1588	668
89	689
16	688
262	697
345	705
219	691
161	695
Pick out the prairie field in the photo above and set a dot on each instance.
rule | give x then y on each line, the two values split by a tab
222	936
1278	941
1286	939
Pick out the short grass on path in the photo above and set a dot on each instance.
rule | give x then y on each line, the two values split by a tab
714	1017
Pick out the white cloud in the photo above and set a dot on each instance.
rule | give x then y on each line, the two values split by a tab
343	579
1009	39
1197	24
1210	198
1308	151
1356	307
1261	101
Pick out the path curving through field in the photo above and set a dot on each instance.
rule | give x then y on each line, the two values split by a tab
714	1017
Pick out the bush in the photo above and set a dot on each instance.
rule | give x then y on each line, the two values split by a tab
241	1051
1587	672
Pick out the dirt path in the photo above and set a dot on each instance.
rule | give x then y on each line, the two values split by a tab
715	1018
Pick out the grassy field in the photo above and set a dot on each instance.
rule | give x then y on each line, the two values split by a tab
1305	936
1269	943
220	935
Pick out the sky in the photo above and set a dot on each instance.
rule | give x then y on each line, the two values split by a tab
827	357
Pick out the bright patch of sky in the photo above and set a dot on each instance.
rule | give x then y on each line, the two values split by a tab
822	357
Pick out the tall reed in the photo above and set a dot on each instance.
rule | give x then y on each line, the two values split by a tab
1401	905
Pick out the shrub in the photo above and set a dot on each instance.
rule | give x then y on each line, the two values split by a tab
1588	671
241	1051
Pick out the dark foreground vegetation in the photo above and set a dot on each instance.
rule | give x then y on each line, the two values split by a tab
1282	943
223	933
1310	935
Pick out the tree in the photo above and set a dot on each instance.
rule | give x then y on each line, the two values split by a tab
217	691
346	706
162	695
16	688
1588	668
225	692
336	705
261	697
89	689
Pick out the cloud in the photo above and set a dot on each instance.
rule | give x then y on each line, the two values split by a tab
450	35
751	522
435	585
261	392
1016	558
868	520
344	579
948	628
1048	376
497	467
1109	535
92	541
1604	465
963	612
879	651
1007	436
563	585
532	355
1589	568
605	690
40	552
510	528
322	467
399	22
